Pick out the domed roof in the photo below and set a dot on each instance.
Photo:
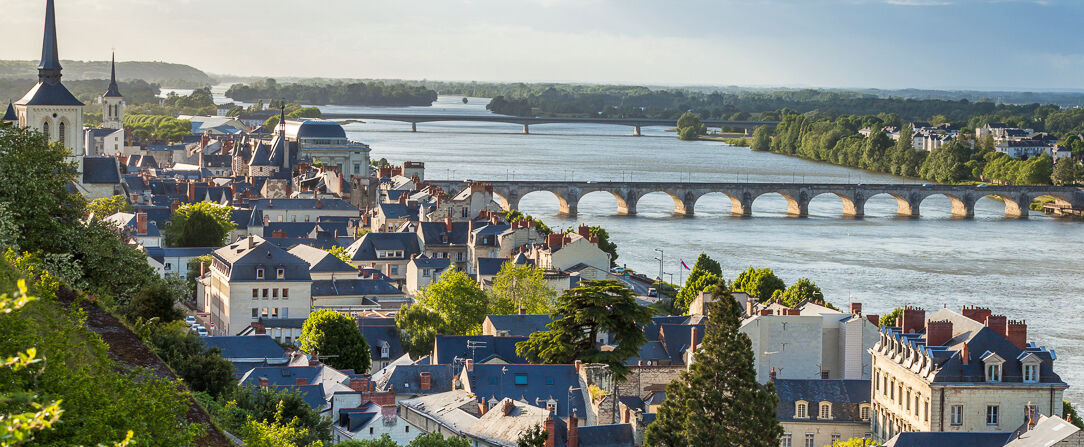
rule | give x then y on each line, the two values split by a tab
314	129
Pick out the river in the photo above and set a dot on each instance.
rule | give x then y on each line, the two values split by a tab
1026	269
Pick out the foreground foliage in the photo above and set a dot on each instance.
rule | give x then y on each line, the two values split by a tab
336	340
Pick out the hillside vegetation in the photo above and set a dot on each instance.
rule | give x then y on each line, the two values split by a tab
162	73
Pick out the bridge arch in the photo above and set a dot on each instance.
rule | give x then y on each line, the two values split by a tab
564	204
1015	205
683	206
907	205
797	202
623	207
962	206
852	206
735	202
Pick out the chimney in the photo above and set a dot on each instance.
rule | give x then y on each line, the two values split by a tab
360	384
965	356
507	407
765	312
976	313
551	435
258	328
470	226
750	306
426	380
250	241
523	311
791	312
402	198
448	224
141	223
173	206
913	319
578	364
938	332
482	407
1018	333
202	269
875	319
584	231
200	161
387	270
470	365
191	192
856	308
264	381
301	381
771	375
692	339
573	431
997	324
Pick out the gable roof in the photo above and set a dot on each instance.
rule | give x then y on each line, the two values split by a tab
519	325
246	347
447	348
610	435
100	170
364	249
10	115
47	94
321	261
406	379
846	397
241	260
533	384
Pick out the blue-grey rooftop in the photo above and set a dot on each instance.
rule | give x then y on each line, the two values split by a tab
246	347
846	397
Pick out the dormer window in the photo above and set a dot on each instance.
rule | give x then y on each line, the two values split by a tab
259	273
385	350
825	411
992	364
801	410
551	406
280	273
864	412
1030	365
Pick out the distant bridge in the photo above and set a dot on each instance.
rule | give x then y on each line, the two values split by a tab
526	122
908	197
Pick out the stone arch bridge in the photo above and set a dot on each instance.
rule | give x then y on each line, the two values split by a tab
909	197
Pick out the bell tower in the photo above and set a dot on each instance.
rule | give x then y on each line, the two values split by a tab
113	102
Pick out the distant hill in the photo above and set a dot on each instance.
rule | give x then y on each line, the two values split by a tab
162	73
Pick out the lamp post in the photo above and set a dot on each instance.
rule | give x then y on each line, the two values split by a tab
662	256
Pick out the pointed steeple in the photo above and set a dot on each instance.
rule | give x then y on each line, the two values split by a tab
49	68
9	115
114	90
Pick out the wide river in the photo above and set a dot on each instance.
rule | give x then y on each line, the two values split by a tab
1030	269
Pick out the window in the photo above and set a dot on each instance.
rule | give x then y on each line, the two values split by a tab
169	266
265	294
426	272
908	400
884	389
285	293
1029	410
370	430
926	410
991	415
459	257
916	404
993	372
826	411
394	270
876	381
1031	373
263	312
45	129
255	312
61	130
809	440
259	272
357	168
800	410
285	312
521	379
824	375
280	273
407	427
274	312
385	351
549	380
864	413
255	293
836	437
956	415
551	406
786	441
892	391
275	293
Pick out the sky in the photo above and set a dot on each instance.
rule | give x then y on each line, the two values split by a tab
939	44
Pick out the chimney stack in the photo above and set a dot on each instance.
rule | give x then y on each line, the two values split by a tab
577	365
573	430
771	375
426	381
1018	333
482	407
550	432
301	381
202	269
965	355
264	382
997	324
913	319
874	318
141	223
938	332
508	406
976	313
856	308
191	192
448	224
584	231
692	339
523	311
470	365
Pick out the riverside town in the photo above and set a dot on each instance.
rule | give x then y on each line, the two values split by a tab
373	224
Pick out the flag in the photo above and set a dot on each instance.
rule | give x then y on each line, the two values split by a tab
684	266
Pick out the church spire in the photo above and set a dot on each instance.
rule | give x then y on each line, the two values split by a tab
49	68
114	90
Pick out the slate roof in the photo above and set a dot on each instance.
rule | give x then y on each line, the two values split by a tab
406	379
314	128
437	234
364	249
1046	432
351	287
100	170
845	396
321	261
423	261
520	325
947	439
447	347
282	375
490	266
398	211
10	115
113	91
242	259
283	323
652	351
611	435
292	229
311	394
246	347
47	94
378	336
543	382
303	204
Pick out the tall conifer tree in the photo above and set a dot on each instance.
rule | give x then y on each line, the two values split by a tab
718	401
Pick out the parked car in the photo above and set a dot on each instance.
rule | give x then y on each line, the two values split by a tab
202	332
652	292
190	320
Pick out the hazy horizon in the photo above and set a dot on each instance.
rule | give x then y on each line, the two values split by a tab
978	45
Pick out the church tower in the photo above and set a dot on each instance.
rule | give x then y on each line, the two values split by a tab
113	102
49	107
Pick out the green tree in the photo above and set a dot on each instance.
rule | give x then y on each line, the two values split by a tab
201	367
305	112
418	328
157	300
604	243
383	441
689	133
1070	414
279	406
520	287
1066	172
340	253
762	139
458	300
692	289
200	224
689	127
802	290
196	263
276	432
580	314
718	401
890	318
336	339
758	283
108	206
435	439
533	437
34	176
704	264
